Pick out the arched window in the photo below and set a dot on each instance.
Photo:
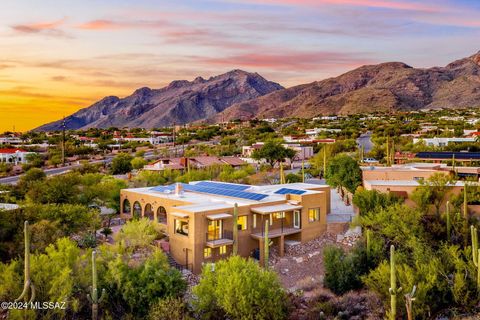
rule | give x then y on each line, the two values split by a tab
148	213
126	207
137	210
162	215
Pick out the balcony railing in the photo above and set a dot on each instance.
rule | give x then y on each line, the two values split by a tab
220	237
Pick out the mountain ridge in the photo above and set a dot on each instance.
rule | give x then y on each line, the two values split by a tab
237	94
181	101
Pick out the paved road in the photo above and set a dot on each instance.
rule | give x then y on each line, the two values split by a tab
54	171
365	140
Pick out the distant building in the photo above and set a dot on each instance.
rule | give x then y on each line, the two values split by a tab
193	162
302	152
442	142
14	155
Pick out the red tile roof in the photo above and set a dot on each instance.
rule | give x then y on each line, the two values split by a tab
11	150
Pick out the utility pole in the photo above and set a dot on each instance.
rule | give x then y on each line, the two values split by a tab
63	142
174	139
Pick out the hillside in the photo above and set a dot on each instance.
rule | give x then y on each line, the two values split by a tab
385	87
180	102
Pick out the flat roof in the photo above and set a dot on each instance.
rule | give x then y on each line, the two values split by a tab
204	201
407	183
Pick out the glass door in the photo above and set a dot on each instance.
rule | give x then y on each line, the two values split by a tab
296	219
214	229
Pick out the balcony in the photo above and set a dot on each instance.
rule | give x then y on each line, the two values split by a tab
215	240
274	233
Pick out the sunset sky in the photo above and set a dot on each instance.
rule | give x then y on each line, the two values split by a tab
59	56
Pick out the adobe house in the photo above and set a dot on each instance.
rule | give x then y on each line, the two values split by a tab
198	217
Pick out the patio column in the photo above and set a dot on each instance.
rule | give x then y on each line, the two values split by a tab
282	245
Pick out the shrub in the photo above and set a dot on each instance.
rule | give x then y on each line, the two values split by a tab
239	289
169	309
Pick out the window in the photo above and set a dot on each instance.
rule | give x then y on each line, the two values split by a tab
254	221
242	223
223	250
181	227
280	215
314	214
214	230
207	252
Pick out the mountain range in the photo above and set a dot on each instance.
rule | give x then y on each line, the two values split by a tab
385	87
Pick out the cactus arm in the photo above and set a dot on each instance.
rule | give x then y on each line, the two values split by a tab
28	283
32	288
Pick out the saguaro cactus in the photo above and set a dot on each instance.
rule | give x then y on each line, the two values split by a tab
235	230
93	297
476	254
449	224
409	298
368	244
393	285
282	174
266	246
28	285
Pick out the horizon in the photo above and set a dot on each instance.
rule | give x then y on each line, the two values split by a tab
82	56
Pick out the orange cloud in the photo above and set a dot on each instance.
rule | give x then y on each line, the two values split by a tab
47	28
102	25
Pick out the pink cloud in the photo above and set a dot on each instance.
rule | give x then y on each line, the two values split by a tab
293	61
116	25
386	4
47	28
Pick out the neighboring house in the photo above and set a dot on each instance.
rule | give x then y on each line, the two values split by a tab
14	155
442	142
402	180
302	152
198	217
154	138
193	162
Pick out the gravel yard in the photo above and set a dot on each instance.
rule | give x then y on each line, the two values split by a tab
301	268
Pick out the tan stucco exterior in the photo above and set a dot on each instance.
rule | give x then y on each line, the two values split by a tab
191	247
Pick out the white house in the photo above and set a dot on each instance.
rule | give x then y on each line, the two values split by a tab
14	155
442	142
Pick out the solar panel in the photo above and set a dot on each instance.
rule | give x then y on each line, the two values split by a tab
212	184
289	191
163	188
448	155
225	192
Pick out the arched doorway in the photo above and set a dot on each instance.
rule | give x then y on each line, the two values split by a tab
137	210
148	213
162	215
126	207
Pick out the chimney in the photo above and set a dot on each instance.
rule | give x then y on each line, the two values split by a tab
178	189
184	162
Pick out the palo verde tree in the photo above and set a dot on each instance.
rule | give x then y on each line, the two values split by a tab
344	172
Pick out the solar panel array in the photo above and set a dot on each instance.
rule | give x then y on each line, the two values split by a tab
449	155
225	192
164	188
229	186
289	191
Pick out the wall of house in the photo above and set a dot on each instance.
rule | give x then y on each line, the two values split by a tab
398	174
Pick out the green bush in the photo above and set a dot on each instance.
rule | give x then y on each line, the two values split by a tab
239	289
